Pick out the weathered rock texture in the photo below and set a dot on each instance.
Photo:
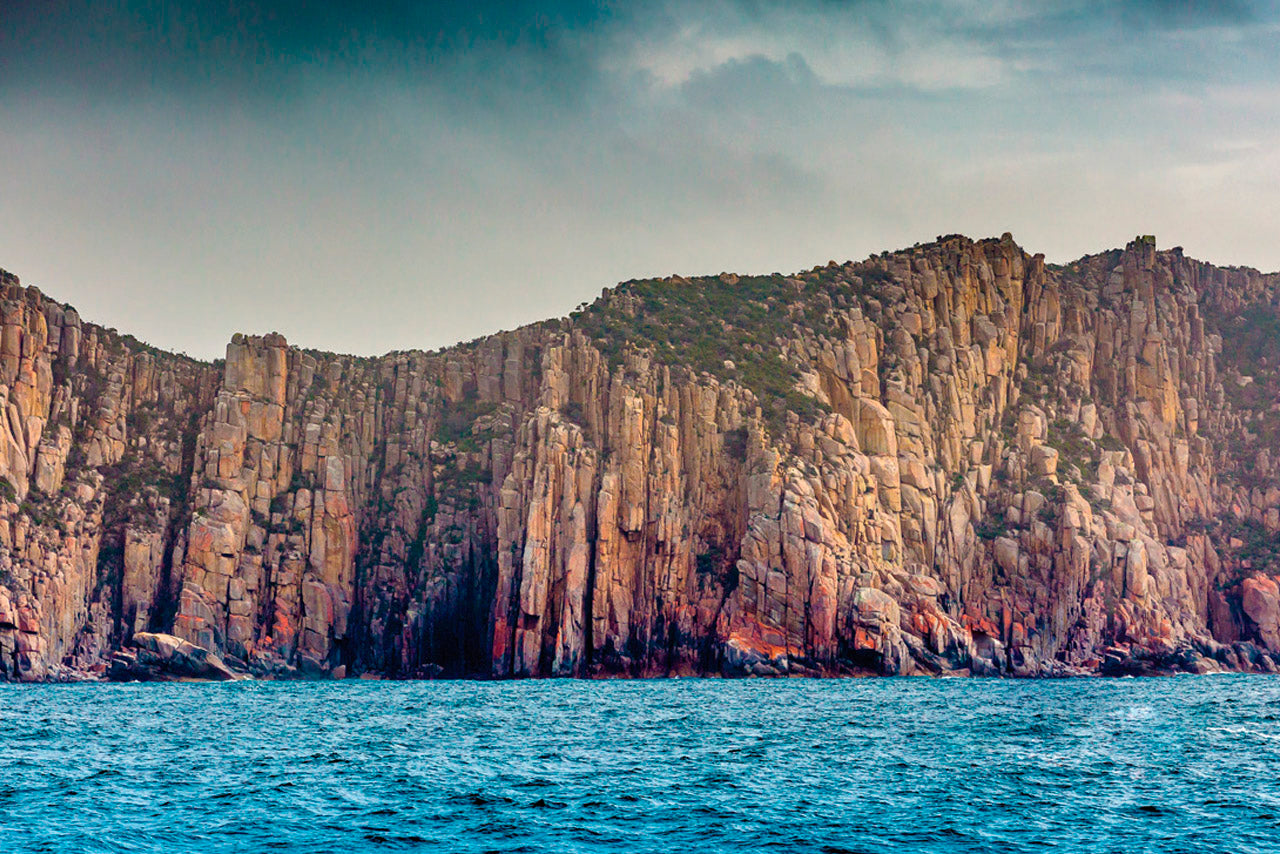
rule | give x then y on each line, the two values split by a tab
951	459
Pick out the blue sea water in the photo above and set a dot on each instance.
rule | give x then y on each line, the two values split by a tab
891	765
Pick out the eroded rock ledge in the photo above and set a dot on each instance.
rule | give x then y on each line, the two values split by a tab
953	459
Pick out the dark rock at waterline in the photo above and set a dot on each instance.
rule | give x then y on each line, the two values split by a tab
156	657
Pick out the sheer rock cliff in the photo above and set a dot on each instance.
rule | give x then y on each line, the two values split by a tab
953	459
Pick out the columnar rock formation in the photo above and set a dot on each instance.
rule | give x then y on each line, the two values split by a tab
950	459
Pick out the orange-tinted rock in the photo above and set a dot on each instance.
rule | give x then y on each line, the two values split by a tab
1000	467
1260	601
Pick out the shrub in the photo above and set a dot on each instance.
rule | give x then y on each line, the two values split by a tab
735	444
990	529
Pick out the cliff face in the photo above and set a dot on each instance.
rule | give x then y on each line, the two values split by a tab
947	459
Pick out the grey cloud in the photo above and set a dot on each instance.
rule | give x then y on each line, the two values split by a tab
754	82
1182	13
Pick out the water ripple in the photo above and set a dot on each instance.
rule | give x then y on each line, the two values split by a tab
1185	765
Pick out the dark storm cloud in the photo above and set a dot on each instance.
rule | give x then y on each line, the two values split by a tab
271	49
260	48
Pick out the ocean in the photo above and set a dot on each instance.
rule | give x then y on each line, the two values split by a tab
873	765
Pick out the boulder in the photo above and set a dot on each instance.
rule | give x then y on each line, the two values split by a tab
158	657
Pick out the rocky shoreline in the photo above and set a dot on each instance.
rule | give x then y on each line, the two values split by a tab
157	657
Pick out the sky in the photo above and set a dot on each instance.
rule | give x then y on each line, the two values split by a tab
382	175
